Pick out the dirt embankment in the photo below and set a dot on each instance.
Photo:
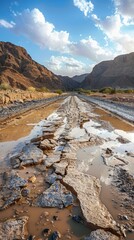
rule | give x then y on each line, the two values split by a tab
11	96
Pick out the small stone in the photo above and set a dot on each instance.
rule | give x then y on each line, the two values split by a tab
32	179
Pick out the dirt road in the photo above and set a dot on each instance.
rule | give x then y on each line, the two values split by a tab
72	178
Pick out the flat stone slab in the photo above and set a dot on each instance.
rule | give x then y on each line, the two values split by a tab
60	167
54	158
30	155
14	229
48	144
88	190
101	235
52	178
55	196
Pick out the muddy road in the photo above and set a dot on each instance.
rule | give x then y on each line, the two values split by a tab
67	172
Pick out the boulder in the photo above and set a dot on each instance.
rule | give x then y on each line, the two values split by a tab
14	229
101	235
55	196
88	190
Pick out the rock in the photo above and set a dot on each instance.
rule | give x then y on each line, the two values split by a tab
46	232
14	182
55	218
11	191
60	167
101	235
55	196
32	179
14	229
13	196
52	178
25	192
55	235
54	158
47	144
108	151
88	190
31	155
31	237
77	219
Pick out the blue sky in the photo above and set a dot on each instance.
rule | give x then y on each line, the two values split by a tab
69	36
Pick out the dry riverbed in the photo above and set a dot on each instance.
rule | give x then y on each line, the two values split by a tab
72	177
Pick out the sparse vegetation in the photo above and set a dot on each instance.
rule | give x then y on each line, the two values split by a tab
108	90
86	91
43	89
5	86
31	89
59	91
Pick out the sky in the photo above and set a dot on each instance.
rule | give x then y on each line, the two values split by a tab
69	37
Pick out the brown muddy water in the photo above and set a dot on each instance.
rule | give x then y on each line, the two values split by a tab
18	131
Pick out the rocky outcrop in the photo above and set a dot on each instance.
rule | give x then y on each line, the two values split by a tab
101	235
55	196
14	229
19	70
117	73
80	78
88	190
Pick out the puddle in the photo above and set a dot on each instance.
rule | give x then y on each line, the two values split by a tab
14	136
37	222
116	122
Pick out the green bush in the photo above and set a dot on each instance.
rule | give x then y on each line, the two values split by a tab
43	89
59	91
31	89
108	90
5	86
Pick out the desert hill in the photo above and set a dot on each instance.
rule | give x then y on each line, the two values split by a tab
19	70
117	73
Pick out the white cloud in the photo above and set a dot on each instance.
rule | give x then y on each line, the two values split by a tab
112	28
6	24
34	25
126	9
91	49
67	66
84	6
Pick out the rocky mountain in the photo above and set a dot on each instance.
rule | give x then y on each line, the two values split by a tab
80	78
19	70
117	73
69	83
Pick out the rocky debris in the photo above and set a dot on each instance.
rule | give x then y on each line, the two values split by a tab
11	190
124	181
10	197
55	196
52	178
49	129
48	144
101	235
60	167
14	229
53	158
30	155
88	190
